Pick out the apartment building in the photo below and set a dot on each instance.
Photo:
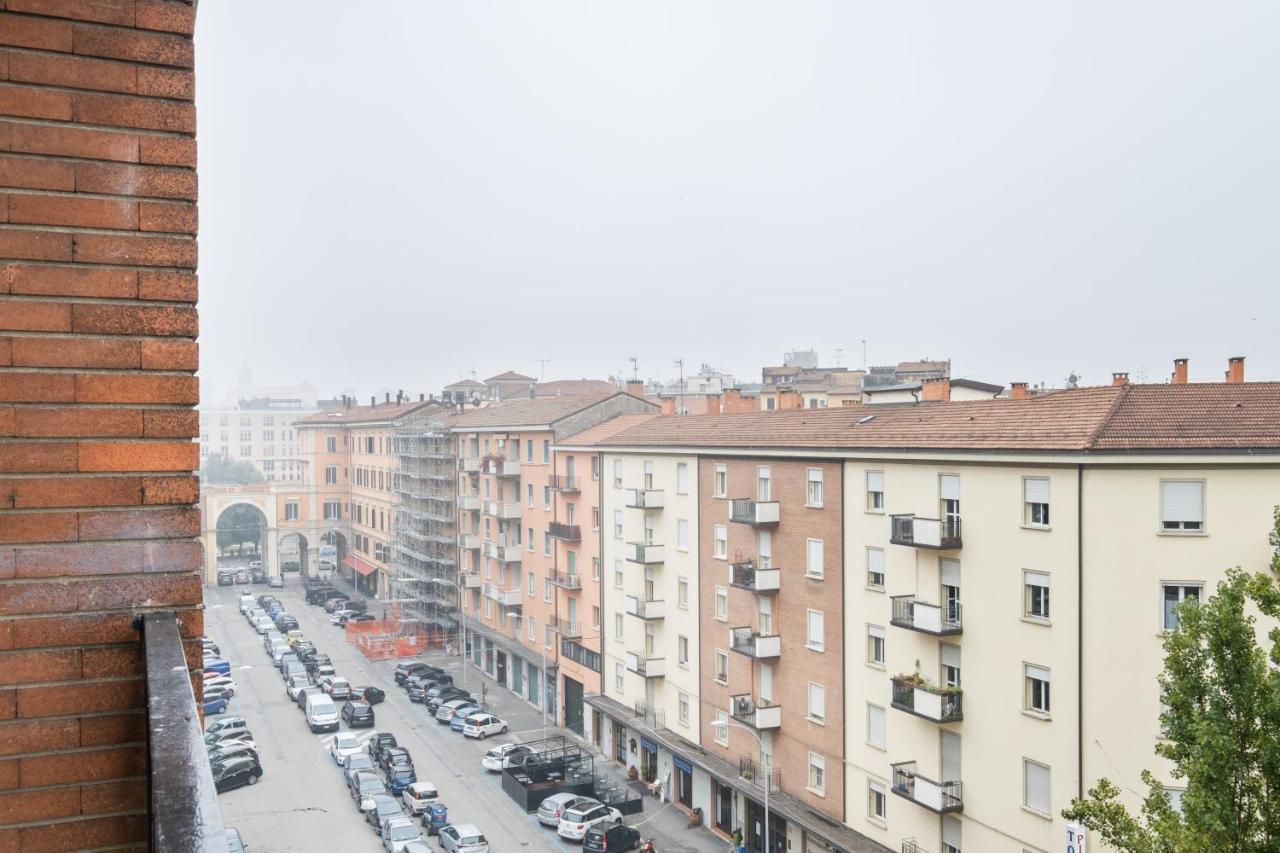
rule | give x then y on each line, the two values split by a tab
260	431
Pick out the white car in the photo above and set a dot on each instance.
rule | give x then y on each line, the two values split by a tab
483	725
397	833
575	822
418	796
246	602
226	682
227	724
463	838
296	684
496	758
336	616
343	745
553	807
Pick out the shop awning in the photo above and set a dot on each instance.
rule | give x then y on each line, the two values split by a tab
359	565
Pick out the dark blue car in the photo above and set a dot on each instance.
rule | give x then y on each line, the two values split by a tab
215	705
400	778
218	666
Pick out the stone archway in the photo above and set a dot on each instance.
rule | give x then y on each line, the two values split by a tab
216	501
295	552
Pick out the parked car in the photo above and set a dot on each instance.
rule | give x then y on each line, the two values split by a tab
364	784
223	754
482	725
265	599
242	575
463	838
500	757
275	582
606	838
322	714
400	778
304	693
343	745
446	710
553	807
226	577
235	842
397	833
335	603
214	740
379	742
295	684
418	796
408	668
294	636
444	695
236	773
290	566
246	602
392	757
340	616
379	808
336	687
285	622
215	705
357	715
217	666
371	695
459	719
225	682
353	764
255	564
227	725
320	594
259	576
357	617
263	624
574	823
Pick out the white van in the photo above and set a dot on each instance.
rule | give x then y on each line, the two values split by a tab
322	714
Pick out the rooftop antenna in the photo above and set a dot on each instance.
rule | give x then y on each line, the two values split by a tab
680	364
542	369
839	355
864	353
635	367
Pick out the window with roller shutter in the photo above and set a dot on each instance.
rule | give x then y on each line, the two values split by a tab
1182	506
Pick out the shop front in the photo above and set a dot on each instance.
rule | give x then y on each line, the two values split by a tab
683	785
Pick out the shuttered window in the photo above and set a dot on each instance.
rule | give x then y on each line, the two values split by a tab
875	726
875	491
1036	595
1036	689
1035	498
813	487
1182	504
1035	778
817	702
814	567
949	487
875	644
875	567
949	572
816	639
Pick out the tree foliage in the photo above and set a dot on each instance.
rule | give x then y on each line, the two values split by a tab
240	525
222	470
1221	692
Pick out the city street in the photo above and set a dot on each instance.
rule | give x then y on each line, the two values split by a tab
302	803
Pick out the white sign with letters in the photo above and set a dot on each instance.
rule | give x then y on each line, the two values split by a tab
1076	842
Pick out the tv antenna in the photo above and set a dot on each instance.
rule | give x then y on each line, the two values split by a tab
635	367
542	369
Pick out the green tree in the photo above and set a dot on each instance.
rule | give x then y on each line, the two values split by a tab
240	525
222	470
1221	692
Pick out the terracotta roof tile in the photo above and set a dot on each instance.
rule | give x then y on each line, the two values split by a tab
526	412
364	414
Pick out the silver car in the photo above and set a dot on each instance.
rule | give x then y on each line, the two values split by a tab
463	838
553	807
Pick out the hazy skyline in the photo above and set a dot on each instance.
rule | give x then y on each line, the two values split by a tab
394	198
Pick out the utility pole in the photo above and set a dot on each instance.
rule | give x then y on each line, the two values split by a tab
635	367
542	369
839	355
864	353
680	364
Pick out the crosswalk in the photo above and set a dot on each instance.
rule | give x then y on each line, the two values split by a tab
326	740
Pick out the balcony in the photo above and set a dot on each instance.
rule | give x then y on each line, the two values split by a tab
502	550
644	499
648	555
469	465
646	667
746	576
929	701
468	541
933	619
505	597
937	797
750	712
500	466
565	627
499	509
646	608
183	809
942	535
654	718
566	580
468	502
565	532
755	773
564	484
756	646
758	513
470	580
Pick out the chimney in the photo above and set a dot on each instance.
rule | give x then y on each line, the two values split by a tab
388	398
1179	371
635	387
1119	379
789	400
373	401
422	398
713	404
668	405
1018	391
1235	369
935	390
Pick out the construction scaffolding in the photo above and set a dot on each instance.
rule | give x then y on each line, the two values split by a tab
424	559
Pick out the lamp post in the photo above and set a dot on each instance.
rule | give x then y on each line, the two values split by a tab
725	724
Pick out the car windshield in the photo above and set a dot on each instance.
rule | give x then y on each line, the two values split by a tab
359	761
403	832
370	783
347	742
404	773
472	839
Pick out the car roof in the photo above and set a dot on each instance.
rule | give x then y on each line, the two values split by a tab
423	786
467	829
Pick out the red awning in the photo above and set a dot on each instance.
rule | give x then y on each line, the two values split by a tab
359	565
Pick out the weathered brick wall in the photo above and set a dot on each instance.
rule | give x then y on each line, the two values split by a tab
97	361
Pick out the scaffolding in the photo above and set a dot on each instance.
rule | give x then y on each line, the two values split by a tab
424	569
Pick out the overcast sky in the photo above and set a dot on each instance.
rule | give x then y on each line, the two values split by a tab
396	193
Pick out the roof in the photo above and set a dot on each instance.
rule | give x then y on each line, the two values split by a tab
608	429
510	376
1200	416
465	383
364	414
976	385
528	412
562	387
918	366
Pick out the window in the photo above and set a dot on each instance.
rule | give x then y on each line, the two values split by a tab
875	645
617	573
875	567
764	484
1035	603
722	732
532	623
1035	497
531	588
813	487
331	444
817	628
814	566
595	518
682	534
617	473
876	800
528	449
595	568
875	491
764	549
291	511
684	709
330	475
529	539
682	650
546	451
617	626
1035	786
619	677
817	774
1182	505
546	543
817	702
332	509
595	468
720	482
722	604
529	494
682	593
1175	798
648	474
1175	594
546	497
682	478
546	589
875	726
721	547
1036	699
722	666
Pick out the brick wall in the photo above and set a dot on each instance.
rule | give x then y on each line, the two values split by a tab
97	362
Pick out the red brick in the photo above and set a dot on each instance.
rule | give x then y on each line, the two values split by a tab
128	388
4	208
113	663
61	492
160	321
38	458
167	151
6	352
76	352
33	806
88	630
50	421
166	83
100	558
21	736
68	596
38	666
155	48
37	387
118	12
170	490
171	423
74	72
167	286
172	557
65	141
8	419
174	217
22	316
34	174
113	797
154	523
174	16
8	568
183	456
34	245
139	251
121	179
126	111
73	211
8	704
38	527
30	102
31	280
82	698
84	834
170	355
37	33
113	730
8	779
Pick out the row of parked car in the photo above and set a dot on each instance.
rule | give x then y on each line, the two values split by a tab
233	754
341	607
448	703
255	573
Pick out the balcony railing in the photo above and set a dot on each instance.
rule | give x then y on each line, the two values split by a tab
745	575
938	797
468	502
916	615
184	813
645	608
580	655
565	627
917	532
564	483
759	513
468	541
470	580
751	712
646	666
499	509
566	580
500	466
759	646
654	718
504	551
644	498
939	704
565	532
639	552
469	464
755	773
910	845
505	597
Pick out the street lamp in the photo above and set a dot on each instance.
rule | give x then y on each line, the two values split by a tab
725	724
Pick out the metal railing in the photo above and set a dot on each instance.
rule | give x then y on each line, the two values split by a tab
748	642
745	575
940	704
566	580
747	511
940	797
925	532
565	627
909	612
564	483
565	532
754	772
654	718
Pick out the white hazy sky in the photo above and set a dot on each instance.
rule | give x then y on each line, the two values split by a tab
396	193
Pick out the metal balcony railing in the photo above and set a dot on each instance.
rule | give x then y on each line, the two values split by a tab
565	532
940	534
939	704
564	483
644	498
646	666
938	797
915	615
639	552
565	627
566	580
654	718
749	711
754	645
746	511
500	466
745	575
755	773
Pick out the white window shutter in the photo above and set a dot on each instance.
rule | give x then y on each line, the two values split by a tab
1037	579
951	832
1035	490
875	481
949	487
875	725
1182	500
1037	786
875	560
815	557
1037	672
949	572
875	631
949	654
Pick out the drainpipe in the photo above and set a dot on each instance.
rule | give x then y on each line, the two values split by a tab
1080	631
